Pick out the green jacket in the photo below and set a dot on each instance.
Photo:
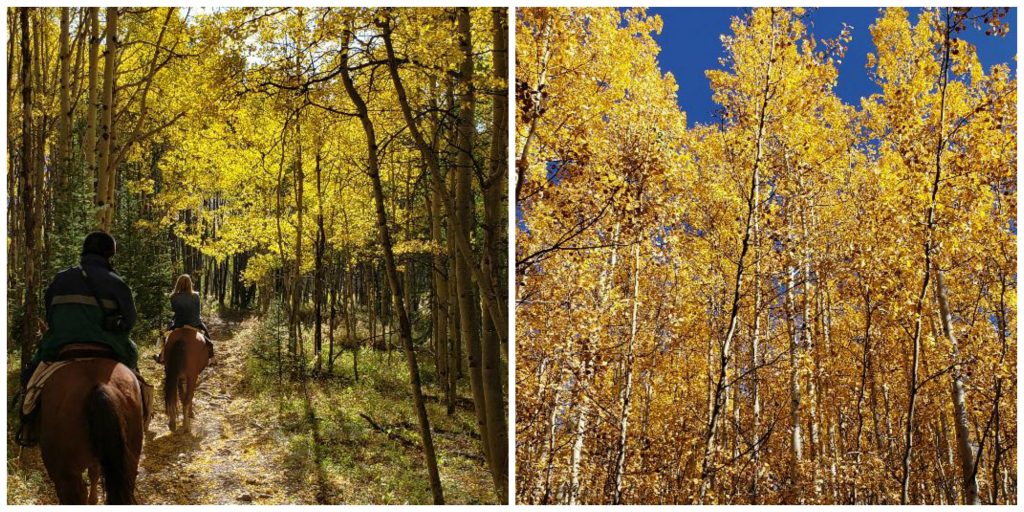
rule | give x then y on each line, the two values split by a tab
72	314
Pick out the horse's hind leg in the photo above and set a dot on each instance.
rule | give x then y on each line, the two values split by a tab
172	408
186	403
70	489
182	389
94	480
190	391
186	417
172	415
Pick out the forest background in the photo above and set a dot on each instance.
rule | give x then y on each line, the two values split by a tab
334	180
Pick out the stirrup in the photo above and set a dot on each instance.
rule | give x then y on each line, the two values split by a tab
28	431
26	439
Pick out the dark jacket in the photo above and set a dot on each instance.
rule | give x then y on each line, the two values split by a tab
186	309
72	315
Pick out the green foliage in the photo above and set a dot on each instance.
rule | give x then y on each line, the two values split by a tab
143	259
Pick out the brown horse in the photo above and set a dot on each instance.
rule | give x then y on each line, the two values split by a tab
91	420
186	356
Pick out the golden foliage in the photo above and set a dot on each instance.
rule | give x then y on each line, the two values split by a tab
800	393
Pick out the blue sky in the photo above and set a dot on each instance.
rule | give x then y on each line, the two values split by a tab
690	45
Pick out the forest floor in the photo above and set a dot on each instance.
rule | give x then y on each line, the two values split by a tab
259	440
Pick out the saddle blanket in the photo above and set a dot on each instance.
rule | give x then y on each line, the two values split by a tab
39	377
46	369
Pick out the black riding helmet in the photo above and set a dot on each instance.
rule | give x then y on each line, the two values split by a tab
99	243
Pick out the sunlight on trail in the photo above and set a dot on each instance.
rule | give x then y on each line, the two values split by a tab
213	464
260	442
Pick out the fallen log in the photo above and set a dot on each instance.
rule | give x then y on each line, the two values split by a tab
460	402
410	444
391	435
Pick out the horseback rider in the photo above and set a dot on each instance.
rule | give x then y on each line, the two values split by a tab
187	313
88	304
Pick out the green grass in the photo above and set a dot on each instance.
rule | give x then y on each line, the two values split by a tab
357	463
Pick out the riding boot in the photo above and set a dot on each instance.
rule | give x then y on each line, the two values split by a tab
209	347
147	396
159	358
28	429
26	374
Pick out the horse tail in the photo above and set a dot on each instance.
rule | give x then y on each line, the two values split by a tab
107	436
174	366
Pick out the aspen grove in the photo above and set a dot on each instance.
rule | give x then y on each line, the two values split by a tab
806	302
335	182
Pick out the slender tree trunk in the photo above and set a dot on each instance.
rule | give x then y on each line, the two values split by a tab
755	360
997	481
522	162
808	339
405	329
332	291
795	397
627	389
299	178
583	403
494	194
865	369
90	118
64	121
29	325
469	321
963	433
442	341
43	187
458	232
457	361
927	269
104	219
318	285
14	208
350	322
550	448
726	347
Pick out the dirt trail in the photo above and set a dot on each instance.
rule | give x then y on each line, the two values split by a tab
223	459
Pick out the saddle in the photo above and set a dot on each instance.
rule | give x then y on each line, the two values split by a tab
72	353
75	351
202	336
67	355
187	327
